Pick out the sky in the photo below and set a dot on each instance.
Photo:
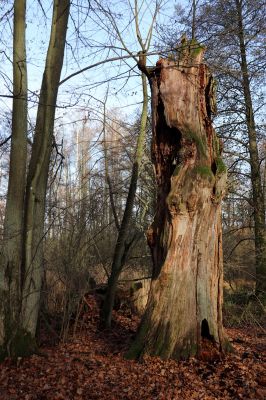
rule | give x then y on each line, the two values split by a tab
89	40
94	33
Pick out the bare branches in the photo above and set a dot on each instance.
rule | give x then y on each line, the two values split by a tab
91	66
5	141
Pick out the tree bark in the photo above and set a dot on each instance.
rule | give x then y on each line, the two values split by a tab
256	179
185	300
39	168
10	263
121	244
108	181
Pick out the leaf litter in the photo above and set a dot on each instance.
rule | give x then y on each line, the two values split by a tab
91	365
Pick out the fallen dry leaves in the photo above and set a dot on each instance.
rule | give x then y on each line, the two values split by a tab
91	366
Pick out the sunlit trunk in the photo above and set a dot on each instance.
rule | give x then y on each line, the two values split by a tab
39	168
256	179
185	300
11	251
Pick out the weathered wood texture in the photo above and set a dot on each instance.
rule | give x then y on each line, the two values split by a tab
185	300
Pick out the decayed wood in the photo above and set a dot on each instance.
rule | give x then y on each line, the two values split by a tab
185	300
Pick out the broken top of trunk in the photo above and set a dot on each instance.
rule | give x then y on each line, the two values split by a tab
183	95
185	300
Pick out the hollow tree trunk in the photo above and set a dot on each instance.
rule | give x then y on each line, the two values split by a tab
185	300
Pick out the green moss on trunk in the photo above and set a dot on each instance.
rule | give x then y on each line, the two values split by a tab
137	348
177	170
23	344
216	146
18	344
204	171
200	143
220	165
183	353
195	47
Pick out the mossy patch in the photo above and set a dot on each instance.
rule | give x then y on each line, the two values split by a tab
137	347
160	345
23	344
186	50
186	351
220	165
204	171
176	205
176	170
216	146
195	47
18	344
200	143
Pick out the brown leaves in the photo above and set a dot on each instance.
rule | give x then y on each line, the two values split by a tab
91	366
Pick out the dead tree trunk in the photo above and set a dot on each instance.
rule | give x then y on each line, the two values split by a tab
185	300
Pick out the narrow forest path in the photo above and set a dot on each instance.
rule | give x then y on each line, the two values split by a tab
91	366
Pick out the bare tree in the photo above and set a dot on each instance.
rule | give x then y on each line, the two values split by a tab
17	336
123	242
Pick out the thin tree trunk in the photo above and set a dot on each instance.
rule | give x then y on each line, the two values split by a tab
10	264
39	168
121	244
256	180
185	301
106	171
193	25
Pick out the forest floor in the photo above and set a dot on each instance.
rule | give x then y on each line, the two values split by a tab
91	365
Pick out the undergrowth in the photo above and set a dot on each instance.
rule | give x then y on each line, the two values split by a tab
243	308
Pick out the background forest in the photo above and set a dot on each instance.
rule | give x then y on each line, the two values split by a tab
77	184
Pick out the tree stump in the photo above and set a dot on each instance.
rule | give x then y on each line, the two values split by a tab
185	301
